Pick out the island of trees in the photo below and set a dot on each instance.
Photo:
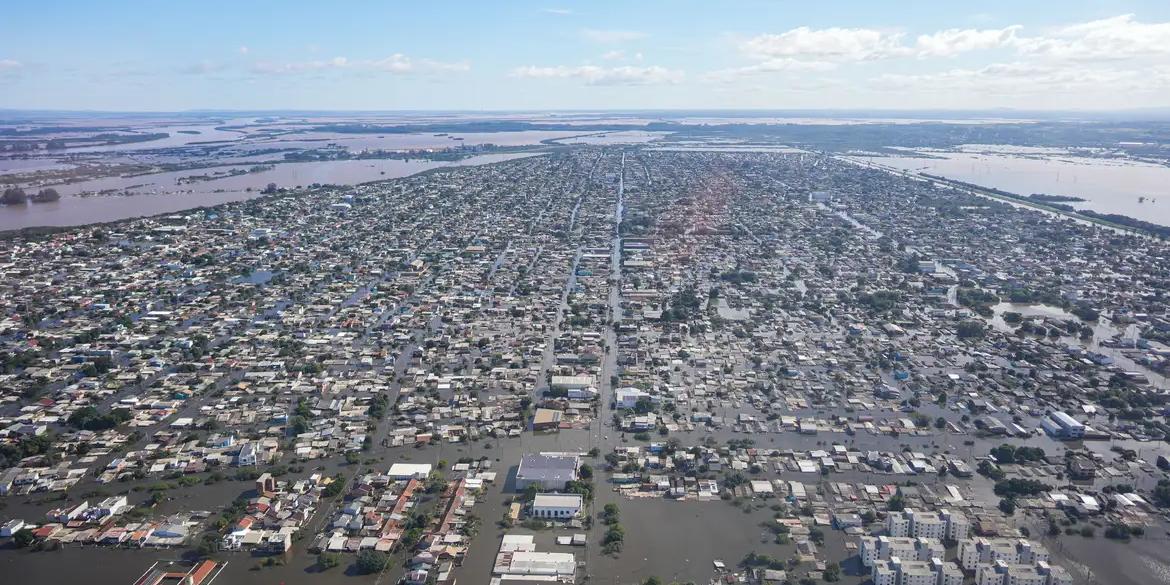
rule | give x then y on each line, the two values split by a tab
17	196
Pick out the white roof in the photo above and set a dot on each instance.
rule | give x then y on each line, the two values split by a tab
557	501
399	470
542	563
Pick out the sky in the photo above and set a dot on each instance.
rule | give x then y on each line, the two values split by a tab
517	55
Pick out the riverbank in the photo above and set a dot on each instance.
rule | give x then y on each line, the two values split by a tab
48	218
1006	197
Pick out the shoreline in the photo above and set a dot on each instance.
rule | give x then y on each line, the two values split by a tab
48	230
1017	199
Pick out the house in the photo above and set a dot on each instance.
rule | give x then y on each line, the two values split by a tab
266	484
629	397
247	456
111	506
556	506
533	563
546	419
588	393
65	515
400	471
573	382
11	527
546	471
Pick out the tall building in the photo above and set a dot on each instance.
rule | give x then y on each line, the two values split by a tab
958	526
1011	551
934	571
1002	573
874	549
917	524
898	524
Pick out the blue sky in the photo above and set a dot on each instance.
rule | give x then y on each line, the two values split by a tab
483	55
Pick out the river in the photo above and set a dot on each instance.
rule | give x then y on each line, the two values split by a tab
161	192
1106	185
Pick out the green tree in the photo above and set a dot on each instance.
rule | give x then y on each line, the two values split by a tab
896	503
23	538
327	560
832	573
371	561
1007	506
970	329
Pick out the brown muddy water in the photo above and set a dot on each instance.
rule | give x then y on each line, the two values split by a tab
669	539
161	193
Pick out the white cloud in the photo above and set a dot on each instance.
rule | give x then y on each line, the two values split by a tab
10	64
866	44
243	50
594	75
1119	37
613	55
609	37
1024	78
832	44
397	64
270	68
557	11
782	64
953	41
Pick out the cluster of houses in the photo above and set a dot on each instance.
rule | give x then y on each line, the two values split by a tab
382	512
104	523
278	511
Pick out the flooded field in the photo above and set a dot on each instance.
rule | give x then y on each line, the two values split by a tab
161	192
1108	186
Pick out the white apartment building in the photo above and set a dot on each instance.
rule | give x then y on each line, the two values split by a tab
931	572
898	524
919	524
1001	573
1011	551
883	548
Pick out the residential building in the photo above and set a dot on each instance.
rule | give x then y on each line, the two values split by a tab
958	527
1002	573
401	471
917	524
629	397
247	456
896	571
874	549
986	551
556	506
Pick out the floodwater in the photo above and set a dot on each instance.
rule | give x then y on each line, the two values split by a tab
1103	330
1107	185
372	141
11	166
669	539
622	137
160	193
